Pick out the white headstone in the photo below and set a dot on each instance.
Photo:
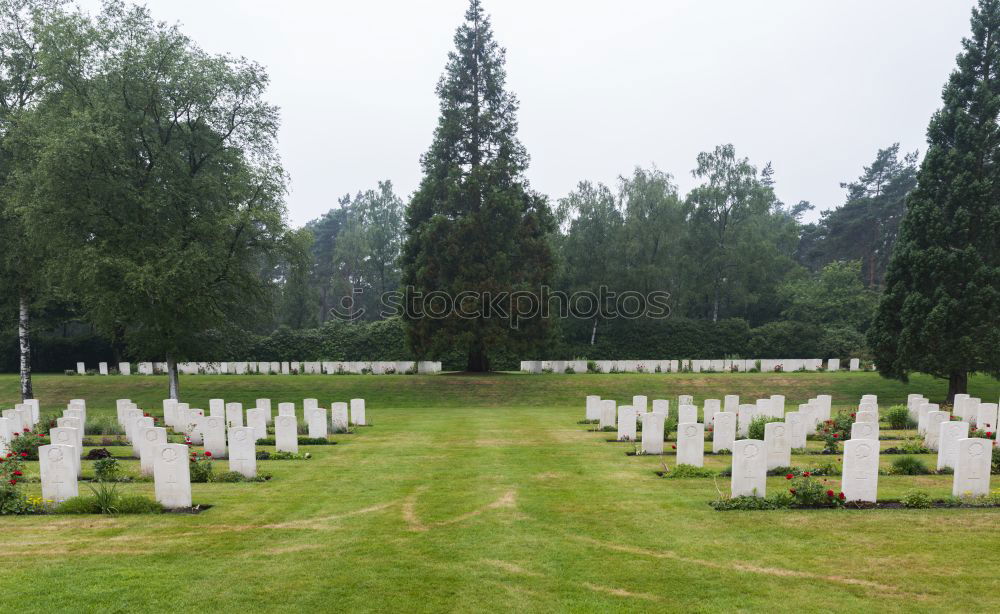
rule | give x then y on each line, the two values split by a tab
640	404
265	404
608	414
854	364
687	413
859	479
66	436
196	419
217	408
866	416
833	364
213	431
626	423
125	368
661	406
864	430
309	404
749	474
243	450
286	436
745	414
172	474
652	433
922	411
58	466
709	408
948	438
316	420
137	427
339	419
257	420
778	445
685	399
170	412
150	438
972	470
723	431
358	412
932	428
102	368
81	368
691	444
286	409
986	420
731	403
593	407
234	414
797	431
778	405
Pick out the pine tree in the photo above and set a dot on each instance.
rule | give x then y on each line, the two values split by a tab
939	313
474	225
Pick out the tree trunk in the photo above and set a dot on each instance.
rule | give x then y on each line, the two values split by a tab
173	381
958	383
24	342
478	361
593	332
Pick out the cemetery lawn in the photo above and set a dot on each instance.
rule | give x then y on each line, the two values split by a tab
483	493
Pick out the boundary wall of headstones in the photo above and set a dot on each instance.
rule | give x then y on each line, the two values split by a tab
727	365
378	367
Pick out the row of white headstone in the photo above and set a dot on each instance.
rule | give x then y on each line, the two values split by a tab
22	417
696	366
275	368
727	419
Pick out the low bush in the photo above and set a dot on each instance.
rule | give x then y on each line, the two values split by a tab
303	441
103	426
235	476
107	469
774	502
97	454
909	465
757	426
279	455
898	417
12	498
916	500
26	443
689	471
201	467
121	504
807	491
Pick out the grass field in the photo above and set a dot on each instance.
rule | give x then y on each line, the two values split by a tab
475	493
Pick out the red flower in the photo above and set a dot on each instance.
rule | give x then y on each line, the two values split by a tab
842	497
191	459
18	473
674	446
835	435
27	430
807	474
24	455
829	493
209	454
989	434
853	415
16	434
41	435
789	476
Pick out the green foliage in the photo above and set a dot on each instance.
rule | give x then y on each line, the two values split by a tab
25	444
12	497
105	497
916	500
898	417
236	476
119	504
938	312
107	470
807	491
756	429
909	465
747	503
689	471
833	297
280	455
201	467
474	224
159	227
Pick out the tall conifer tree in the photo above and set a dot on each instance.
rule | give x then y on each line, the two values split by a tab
475	229
939	313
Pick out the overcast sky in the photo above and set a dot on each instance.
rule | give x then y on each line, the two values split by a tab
814	87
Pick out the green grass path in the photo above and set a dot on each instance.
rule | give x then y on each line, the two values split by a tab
482	493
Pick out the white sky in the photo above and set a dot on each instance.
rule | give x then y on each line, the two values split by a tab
814	87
